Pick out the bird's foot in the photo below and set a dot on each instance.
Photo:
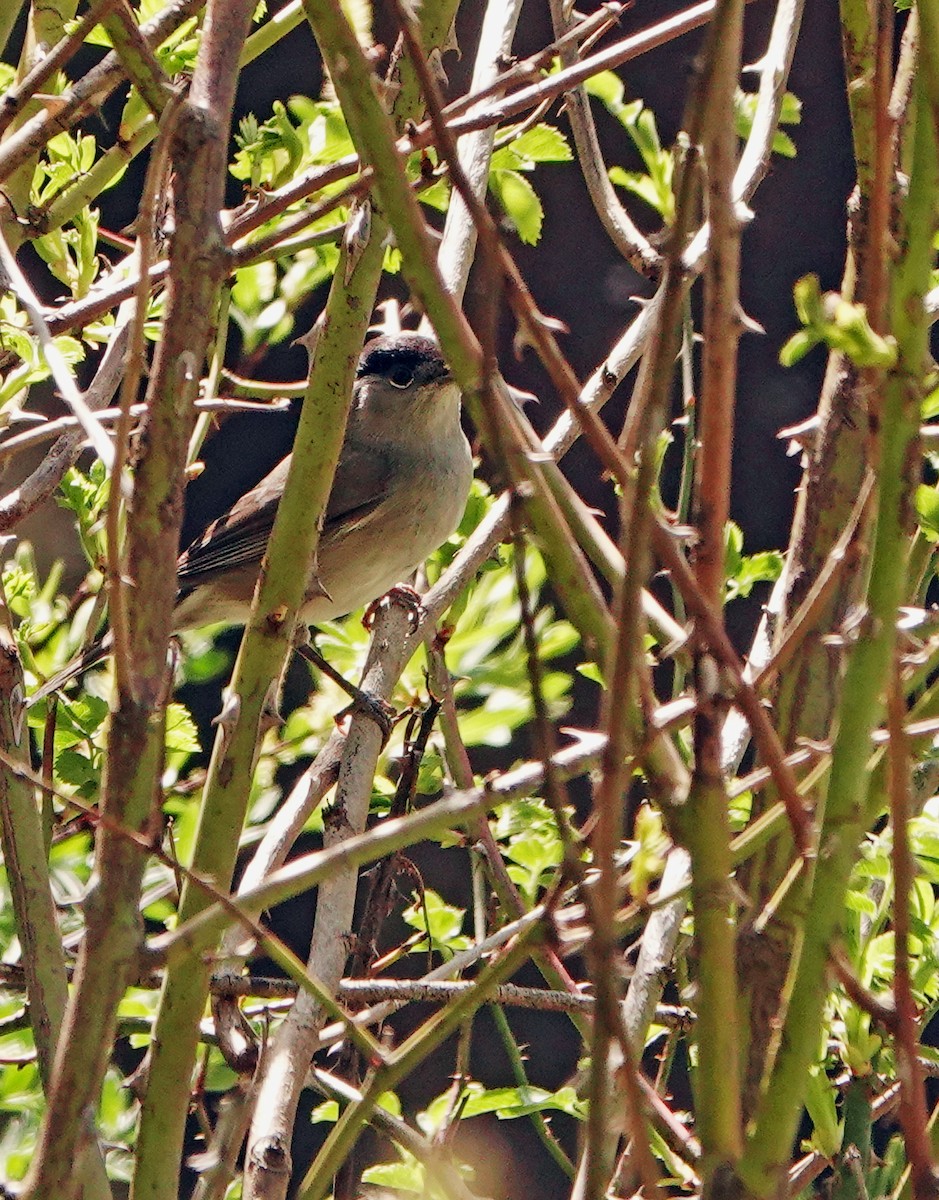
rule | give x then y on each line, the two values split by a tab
401	594
380	711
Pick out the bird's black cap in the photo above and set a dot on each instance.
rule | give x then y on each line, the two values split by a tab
404	352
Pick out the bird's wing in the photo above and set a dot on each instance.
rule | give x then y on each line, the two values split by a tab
363	480
239	538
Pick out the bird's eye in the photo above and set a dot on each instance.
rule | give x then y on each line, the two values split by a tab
401	376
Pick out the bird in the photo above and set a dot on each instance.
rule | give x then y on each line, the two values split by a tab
400	489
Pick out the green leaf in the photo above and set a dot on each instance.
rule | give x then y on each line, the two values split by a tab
405	1176
327	1112
930	407
743	571
181	733
591	671
733	548
652	847
797	347
520	203
75	768
807	295
509	1103
745	104
927	510
442	923
88	713
219	1077
820	1100
637	183
840	324
607	87
765	567
541	143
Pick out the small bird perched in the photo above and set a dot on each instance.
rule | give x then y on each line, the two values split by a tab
400	488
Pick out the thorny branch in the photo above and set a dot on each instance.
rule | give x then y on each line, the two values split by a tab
594	903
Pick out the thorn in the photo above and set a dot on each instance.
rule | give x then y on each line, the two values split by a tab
803	436
228	717
747	323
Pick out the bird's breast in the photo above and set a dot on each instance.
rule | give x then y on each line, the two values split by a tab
423	506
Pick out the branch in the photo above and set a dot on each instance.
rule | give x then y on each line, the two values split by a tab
402	1062
131	793
623	233
707	829
13	279
458	245
912	1110
17	97
867	674
26	863
86	97
42	482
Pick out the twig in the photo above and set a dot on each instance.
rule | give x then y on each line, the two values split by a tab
812	1165
26	864
882	1010
773	69
349	306
402	1062
16	98
42	482
517	1062
867	674
707	830
439	1170
531	322
131	792
458	245
81	312
285	1064
12	278
625	236
354	992
89	93
118	599
842	556
764	733
50	429
912	1111
138	60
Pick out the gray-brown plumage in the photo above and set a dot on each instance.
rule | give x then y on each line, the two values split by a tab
400	489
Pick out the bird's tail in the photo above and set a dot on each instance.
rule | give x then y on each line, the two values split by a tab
94	653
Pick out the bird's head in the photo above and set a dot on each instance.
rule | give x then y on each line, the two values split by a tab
404	378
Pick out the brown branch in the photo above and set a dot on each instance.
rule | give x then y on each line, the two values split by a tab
257	212
117	580
131	792
42	482
17	97
86	97
844	555
707	830
912	1112
624	234
883	1010
745	697
536	330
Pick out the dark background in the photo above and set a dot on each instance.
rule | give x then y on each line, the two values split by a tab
576	275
